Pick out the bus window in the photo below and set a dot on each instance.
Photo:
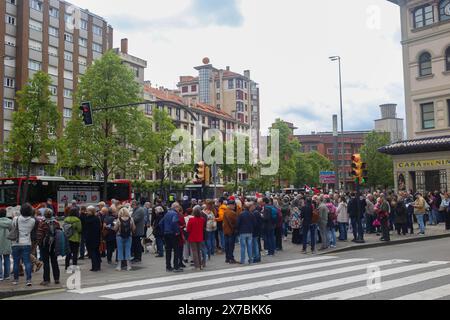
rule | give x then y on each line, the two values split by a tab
8	195
119	191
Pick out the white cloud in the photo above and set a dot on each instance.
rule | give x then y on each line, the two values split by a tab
286	45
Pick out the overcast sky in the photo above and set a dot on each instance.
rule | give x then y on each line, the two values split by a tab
285	44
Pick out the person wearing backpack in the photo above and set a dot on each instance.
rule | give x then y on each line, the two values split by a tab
72	230
270	218
21	244
124	228
93	238
46	237
296	224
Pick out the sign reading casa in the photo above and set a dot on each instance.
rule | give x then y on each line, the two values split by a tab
423	164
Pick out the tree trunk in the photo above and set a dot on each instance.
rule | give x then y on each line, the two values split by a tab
105	180
25	187
161	185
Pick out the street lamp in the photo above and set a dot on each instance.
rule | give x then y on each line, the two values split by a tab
338	58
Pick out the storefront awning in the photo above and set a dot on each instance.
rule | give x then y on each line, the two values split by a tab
433	144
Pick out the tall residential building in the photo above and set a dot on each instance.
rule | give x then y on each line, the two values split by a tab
423	162
390	123
49	35
137	65
234	93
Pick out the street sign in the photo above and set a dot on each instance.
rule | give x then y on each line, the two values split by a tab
328	177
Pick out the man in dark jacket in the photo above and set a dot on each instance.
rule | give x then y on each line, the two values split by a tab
269	227
246	223
257	232
170	228
139	220
356	218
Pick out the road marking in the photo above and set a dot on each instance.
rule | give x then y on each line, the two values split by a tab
221	281
431	294
190	276
274	282
335	283
388	285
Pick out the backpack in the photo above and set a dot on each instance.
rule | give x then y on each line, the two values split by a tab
296	221
50	237
61	244
125	228
68	230
274	215
315	216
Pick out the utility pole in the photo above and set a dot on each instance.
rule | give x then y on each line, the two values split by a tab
337	182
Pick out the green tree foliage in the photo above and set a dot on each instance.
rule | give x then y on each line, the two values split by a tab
34	125
380	166
309	166
117	134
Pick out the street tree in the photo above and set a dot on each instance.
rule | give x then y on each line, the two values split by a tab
116	135
380	166
34	126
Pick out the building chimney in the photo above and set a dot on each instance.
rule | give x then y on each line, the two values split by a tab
228	68
124	46
247	74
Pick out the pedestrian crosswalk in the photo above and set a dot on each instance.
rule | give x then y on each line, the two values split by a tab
310	278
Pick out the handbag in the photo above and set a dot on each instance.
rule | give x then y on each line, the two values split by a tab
14	232
376	223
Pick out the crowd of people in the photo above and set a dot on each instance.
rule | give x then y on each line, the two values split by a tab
192	232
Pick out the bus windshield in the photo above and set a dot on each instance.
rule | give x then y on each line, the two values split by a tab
8	195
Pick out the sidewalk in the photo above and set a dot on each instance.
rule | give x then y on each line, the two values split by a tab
152	267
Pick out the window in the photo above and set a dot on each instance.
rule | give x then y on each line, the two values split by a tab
53	71
97	30
231	84
68	37
447	59
218	96
185	89
239	106
427	115
10	41
82	61
69	19
9	82
68	56
53	12
10	20
36	5
34	65
53	31
8	104
97	47
35	45
83	24
185	115
148	109
239	95
68	75
194	88
423	16
67	93
425	68
218	84
444	10
203	119
53	90
35	25
83	42
67	113
11	1
52	51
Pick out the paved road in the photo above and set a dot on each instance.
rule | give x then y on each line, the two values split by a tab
410	271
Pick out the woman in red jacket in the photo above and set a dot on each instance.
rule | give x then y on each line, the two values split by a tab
195	228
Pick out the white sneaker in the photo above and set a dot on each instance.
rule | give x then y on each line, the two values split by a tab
119	267
129	267
70	270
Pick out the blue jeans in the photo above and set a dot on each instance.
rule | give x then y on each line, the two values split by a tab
204	251
285	229
6	263
343	230
222	239
160	245
256	250
230	242
246	240
358	232
433	219
269	239
82	246
332	235
211	242
420	220
123	248
309	229
22	253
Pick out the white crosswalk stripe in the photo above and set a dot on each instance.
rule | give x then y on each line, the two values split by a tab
312	278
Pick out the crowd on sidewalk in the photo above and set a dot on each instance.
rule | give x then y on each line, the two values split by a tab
192	232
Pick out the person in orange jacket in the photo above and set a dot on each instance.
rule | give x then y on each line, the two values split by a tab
221	211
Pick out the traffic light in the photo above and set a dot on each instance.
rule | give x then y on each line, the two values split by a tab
200	172
357	170
365	173
86	110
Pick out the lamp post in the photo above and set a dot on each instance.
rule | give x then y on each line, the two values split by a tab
338	58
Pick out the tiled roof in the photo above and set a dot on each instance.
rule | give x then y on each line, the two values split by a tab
211	109
163	95
418	146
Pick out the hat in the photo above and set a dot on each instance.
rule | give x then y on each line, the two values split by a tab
232	202
232	198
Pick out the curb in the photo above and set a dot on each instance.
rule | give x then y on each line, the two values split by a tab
384	244
5	295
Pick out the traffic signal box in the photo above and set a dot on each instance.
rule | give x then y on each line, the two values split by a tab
86	110
359	169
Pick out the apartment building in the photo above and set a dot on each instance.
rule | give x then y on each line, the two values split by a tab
423	162
49	35
137	65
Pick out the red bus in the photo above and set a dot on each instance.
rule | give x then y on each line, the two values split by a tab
61	191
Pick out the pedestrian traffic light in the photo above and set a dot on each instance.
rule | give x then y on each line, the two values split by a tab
86	110
365	173
357	171
200	172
